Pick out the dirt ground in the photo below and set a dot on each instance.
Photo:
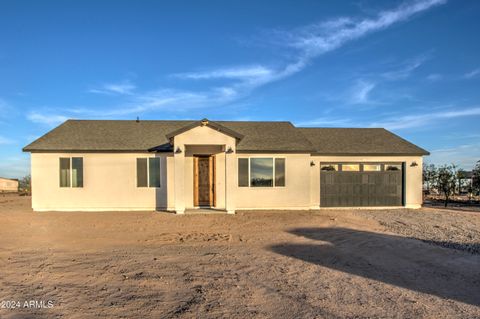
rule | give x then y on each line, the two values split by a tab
292	264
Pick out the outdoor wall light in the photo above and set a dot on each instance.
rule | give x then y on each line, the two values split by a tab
413	164
178	150
312	163
229	150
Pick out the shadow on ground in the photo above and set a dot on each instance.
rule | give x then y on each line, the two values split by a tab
394	260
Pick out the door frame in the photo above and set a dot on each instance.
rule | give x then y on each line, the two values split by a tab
212	175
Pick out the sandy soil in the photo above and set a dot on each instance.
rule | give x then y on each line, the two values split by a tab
323	264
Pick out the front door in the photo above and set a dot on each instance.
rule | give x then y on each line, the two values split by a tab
204	181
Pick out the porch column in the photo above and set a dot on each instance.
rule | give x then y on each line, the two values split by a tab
179	178
230	180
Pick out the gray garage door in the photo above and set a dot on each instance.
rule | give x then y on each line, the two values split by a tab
361	188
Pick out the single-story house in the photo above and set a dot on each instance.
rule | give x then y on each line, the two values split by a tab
8	185
105	165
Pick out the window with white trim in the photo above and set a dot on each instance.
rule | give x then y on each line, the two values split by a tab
148	172
261	172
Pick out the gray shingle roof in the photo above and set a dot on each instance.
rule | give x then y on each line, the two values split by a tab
142	136
106	135
359	141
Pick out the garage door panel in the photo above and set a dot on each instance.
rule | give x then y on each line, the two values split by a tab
356	189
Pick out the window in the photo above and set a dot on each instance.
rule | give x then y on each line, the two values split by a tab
261	172
148	172
243	172
77	172
350	167
393	167
154	172
329	167
142	172
279	172
64	172
372	167
71	172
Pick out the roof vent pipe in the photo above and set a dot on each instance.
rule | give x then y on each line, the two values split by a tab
138	119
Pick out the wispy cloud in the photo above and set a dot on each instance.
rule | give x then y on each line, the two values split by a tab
421	120
124	88
406	68
325	122
239	72
465	155
307	43
395	122
360	92
48	120
472	74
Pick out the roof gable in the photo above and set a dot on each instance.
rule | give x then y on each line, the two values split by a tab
205	122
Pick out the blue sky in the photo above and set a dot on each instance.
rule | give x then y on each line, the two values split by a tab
410	66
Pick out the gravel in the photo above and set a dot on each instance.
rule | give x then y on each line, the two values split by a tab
446	228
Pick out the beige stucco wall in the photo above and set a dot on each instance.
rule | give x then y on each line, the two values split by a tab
413	175
294	195
8	185
109	183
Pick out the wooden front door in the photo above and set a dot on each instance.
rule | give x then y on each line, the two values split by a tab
204	181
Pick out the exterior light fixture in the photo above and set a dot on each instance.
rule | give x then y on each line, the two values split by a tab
229	150
413	164
178	150
312	163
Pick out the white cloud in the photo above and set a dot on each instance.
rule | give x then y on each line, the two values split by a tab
360	92
406	69
465	155
307	42
48	120
124	88
325	122
324	37
472	74
240	72
410	121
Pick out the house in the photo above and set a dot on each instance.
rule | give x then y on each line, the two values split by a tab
8	185
102	165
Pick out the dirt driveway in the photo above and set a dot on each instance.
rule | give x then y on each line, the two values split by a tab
323	264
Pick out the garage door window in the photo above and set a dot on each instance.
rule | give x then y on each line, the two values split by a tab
351	167
372	167
329	167
393	167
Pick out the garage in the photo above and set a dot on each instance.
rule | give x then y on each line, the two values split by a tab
361	184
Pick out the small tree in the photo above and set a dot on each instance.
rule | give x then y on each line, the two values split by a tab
25	184
476	178
446	181
429	175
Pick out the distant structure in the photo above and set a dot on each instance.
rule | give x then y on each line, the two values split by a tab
8	185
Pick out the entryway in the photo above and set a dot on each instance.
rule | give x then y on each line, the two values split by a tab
204	180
